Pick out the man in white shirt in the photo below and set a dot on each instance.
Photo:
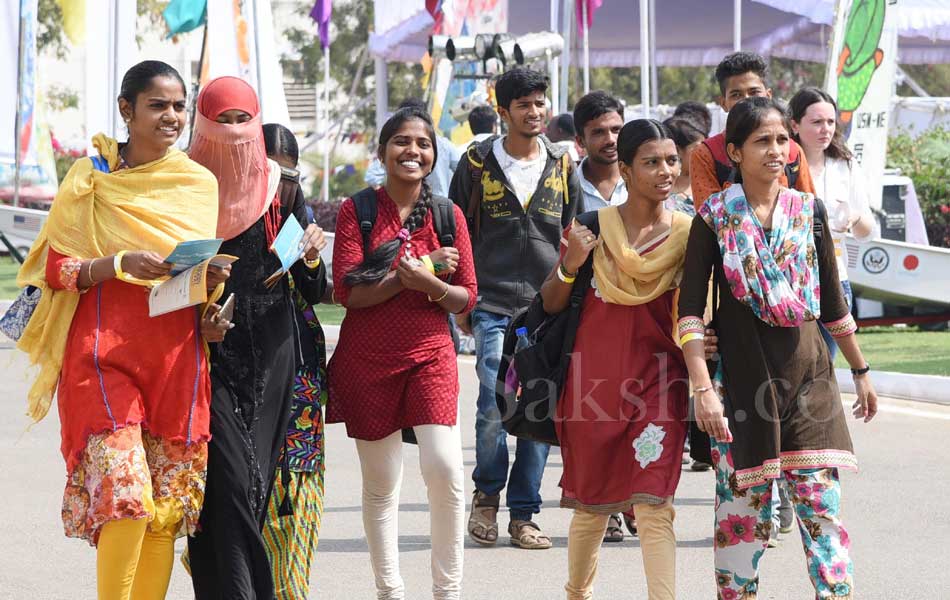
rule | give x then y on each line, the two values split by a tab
598	119
483	121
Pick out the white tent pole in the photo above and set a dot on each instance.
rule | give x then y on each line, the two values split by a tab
586	46
645	57
18	123
257	59
654	75
325	192
837	34
566	15
554	66
382	91
737	25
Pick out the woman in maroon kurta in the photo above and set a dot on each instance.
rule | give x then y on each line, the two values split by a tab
394	366
621	419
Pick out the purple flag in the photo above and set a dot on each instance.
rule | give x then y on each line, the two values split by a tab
321	14
592	6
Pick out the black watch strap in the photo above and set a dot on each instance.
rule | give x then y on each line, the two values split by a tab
866	368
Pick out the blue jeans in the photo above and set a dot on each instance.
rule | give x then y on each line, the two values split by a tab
491	440
849	299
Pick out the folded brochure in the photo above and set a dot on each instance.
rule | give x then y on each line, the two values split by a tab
190	253
287	248
188	288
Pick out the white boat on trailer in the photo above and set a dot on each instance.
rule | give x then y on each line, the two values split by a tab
899	273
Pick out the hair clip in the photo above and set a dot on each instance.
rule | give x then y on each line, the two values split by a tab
403	234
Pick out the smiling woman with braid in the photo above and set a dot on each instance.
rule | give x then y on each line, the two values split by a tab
394	366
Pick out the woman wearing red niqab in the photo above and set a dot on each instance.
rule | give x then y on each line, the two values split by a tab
252	371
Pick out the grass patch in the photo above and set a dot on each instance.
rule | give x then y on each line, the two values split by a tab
8	271
904	350
329	314
900	349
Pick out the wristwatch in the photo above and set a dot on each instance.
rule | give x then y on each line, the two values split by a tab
856	372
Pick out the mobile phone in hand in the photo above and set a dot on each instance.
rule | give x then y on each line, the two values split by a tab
227	310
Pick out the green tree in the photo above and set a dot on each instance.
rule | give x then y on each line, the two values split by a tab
50	35
49	31
678	84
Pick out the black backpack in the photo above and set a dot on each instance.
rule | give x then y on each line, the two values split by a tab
443	217
443	221
542	367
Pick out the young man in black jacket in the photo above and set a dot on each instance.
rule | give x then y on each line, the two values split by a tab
518	193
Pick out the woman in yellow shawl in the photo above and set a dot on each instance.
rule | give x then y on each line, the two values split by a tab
133	391
622	416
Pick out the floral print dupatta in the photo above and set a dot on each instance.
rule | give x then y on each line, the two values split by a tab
776	276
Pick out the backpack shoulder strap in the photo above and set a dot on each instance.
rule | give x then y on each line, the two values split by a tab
567	167
365	203
443	220
794	165
474	212
589	220
725	171
586	272
818	223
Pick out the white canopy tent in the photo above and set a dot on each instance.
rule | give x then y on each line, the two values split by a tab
687	32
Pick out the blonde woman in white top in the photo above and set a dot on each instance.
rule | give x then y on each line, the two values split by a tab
839	182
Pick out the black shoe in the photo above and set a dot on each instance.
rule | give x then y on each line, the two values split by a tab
699	466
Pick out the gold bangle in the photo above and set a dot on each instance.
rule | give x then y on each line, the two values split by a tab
312	264
428	263
117	265
89	263
440	298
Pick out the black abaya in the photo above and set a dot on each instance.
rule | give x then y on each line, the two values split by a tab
252	374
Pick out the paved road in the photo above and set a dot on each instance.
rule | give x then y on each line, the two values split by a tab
896	510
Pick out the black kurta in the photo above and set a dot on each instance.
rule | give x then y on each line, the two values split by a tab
252	374
781	395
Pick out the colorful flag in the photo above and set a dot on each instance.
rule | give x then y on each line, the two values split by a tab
865	62
182	16
592	6
321	14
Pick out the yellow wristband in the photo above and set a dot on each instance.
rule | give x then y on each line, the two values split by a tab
117	265
428	263
690	337
561	274
312	264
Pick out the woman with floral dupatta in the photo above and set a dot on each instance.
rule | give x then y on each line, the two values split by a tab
772	407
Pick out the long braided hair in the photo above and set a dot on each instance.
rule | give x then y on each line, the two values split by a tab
379	262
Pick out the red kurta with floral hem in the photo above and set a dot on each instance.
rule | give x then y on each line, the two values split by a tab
394	365
123	367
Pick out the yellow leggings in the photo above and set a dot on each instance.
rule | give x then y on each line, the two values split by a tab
134	562
657	540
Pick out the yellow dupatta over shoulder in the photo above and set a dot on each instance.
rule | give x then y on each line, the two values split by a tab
149	207
623	276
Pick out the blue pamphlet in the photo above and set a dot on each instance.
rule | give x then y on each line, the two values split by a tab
287	243
188	254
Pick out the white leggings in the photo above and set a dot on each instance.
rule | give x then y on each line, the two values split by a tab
440	458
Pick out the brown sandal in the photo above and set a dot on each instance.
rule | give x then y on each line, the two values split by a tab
528	536
483	520
631	523
614	531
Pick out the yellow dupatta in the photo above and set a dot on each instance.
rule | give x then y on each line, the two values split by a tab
149	207
623	276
